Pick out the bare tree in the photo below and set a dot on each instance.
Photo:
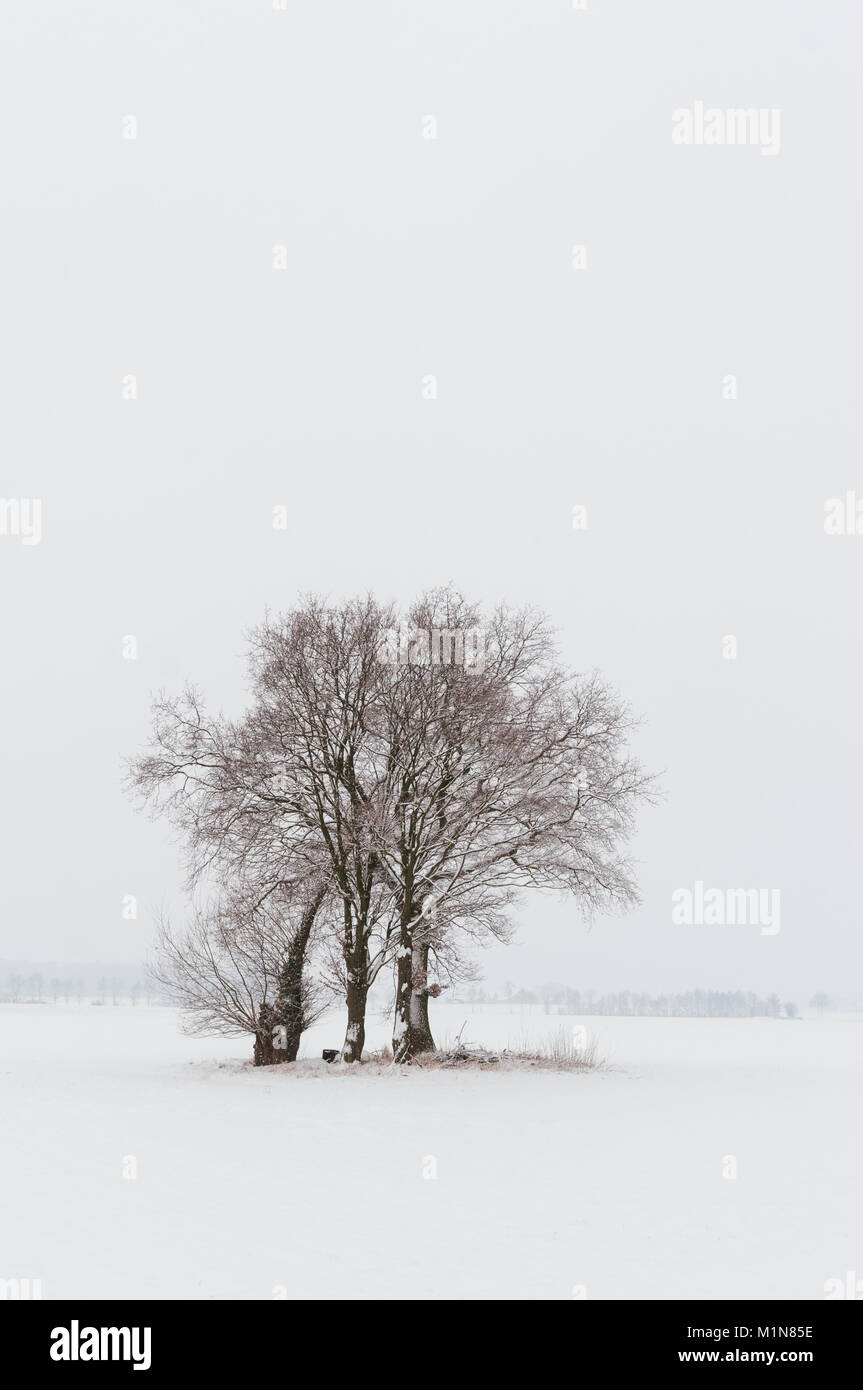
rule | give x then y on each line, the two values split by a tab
505	775
239	967
282	793
428	793
316	674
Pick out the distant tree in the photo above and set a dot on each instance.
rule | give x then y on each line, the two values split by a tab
523	996
689	1004
820	1002
791	1010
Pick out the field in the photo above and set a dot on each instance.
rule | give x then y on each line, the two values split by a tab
430	1184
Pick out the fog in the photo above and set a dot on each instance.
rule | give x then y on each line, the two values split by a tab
282	293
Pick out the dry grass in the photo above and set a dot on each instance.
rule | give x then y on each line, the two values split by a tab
557	1053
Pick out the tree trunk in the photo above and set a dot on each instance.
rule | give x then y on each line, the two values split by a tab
355	998
404	976
289	1009
293	1033
411	1031
264	1053
419	1028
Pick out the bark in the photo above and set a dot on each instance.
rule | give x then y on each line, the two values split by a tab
404	977
289	1008
264	1054
412	1033
356	995
290	1004
419	1028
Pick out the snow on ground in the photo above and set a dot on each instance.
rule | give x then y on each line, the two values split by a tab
262	1183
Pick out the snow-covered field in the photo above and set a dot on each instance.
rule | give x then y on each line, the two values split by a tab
262	1183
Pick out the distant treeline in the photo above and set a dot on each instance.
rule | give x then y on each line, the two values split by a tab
27	982
693	1003
104	984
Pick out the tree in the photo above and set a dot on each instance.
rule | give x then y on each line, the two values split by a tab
439	788
298	1003
819	1002
281	792
427	792
316	676
239	967
495	777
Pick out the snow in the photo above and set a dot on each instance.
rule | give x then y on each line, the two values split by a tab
273	1182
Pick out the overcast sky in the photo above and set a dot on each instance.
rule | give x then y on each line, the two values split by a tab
603	385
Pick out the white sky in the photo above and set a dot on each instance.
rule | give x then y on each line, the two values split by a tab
556	387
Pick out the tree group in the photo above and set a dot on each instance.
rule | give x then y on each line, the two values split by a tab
391	790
